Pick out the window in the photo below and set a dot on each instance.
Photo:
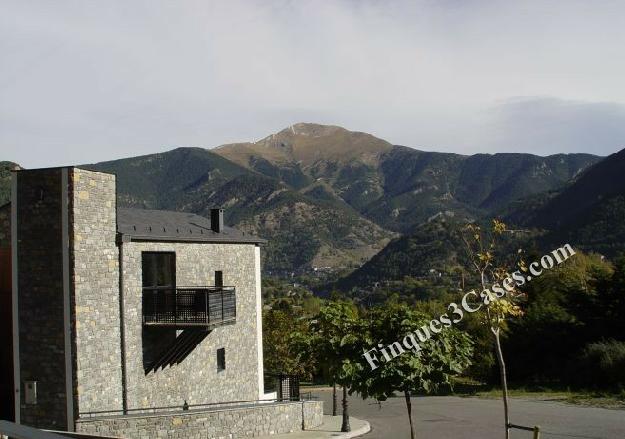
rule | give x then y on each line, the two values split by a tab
221	359
158	270
219	278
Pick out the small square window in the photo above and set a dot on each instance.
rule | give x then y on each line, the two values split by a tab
221	359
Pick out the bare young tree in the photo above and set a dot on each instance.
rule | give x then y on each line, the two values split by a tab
482	248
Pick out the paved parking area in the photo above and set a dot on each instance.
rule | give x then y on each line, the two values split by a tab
330	429
450	417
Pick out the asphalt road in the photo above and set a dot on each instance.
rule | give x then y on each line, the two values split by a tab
450	417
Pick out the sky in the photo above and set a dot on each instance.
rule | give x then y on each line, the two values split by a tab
82	82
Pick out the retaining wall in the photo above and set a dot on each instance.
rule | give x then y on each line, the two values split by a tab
232	423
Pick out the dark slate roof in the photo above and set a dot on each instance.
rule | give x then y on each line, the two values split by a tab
165	225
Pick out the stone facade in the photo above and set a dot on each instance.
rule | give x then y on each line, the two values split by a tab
260	420
196	379
40	304
95	278
81	331
5	226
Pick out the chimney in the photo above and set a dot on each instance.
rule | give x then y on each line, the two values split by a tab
217	220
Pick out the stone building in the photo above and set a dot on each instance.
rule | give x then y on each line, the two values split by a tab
133	322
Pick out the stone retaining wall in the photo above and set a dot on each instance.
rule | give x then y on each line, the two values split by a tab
263	419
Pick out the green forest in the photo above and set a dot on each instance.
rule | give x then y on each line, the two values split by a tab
569	332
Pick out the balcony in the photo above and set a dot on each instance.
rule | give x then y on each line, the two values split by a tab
200	307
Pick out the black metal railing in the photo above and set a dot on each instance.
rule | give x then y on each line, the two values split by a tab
288	388
189	306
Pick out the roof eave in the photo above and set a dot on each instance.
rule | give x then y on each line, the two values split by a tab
124	237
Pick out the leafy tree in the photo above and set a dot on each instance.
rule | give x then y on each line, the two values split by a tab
335	342
482	247
284	344
568	308
445	355
554	325
608	280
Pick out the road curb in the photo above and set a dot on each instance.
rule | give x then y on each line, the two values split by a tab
366	428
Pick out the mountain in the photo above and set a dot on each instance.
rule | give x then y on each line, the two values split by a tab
328	197
169	180
302	231
433	251
491	181
434	245
306	155
589	212
395	186
421	184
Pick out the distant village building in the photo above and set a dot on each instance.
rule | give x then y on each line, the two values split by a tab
146	316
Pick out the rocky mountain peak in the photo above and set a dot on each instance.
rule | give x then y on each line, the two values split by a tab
312	130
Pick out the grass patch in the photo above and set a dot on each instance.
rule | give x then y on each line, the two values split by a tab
598	399
588	398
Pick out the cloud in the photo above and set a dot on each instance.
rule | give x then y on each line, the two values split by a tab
548	124
89	81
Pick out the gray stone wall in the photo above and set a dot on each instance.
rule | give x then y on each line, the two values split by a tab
5	226
40	300
264	419
313	414
95	264
94	268
196	379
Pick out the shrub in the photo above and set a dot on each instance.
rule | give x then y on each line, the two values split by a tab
602	365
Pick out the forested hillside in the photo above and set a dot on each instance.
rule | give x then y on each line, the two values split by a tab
329	198
303	231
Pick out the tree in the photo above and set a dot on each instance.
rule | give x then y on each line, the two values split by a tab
284	343
569	307
482	248
446	354
335	343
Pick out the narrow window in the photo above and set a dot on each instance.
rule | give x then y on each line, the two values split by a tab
221	359
158	272
219	278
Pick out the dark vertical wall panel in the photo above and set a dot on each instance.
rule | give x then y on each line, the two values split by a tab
40	296
7	401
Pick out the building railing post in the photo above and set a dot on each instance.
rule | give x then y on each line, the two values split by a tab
206	299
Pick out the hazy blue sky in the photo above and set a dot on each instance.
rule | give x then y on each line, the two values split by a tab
84	81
